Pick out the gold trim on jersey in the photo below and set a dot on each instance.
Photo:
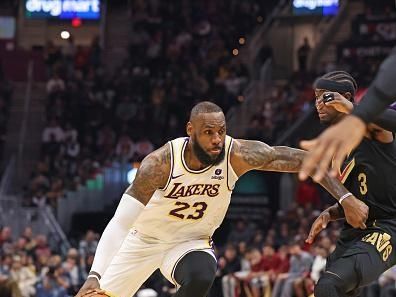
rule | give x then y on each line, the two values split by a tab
110	294
171	169
229	162
347	170
185	165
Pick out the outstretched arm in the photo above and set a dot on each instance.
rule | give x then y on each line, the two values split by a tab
386	120
332	213
248	155
152	175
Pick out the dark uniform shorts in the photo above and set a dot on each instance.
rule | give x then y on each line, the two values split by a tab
361	256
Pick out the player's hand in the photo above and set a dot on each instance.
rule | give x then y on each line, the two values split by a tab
340	103
356	212
334	144
320	223
90	288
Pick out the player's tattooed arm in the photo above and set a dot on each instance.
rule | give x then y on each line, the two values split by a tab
248	155
152	174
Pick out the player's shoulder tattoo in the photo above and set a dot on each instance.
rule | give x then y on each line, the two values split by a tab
152	174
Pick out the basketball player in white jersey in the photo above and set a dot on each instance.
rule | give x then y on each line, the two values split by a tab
180	195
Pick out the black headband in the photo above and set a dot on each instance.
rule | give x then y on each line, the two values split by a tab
333	86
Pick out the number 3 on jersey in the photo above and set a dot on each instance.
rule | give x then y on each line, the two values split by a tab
362	178
199	210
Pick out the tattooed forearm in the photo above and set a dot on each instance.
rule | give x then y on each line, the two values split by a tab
258	155
285	159
152	175
288	159
255	153
248	155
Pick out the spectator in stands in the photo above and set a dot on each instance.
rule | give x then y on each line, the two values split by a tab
53	284
52	56
70	132
241	232
6	240
143	147
384	287
81	59
72	265
39	198
24	277
95	53
126	110
307	193
106	142
55	84
55	192
271	261
303	286
228	264
27	234
284	263
42	248
72	149
303	54
20	246
283	236
257	278
300	265
52	132
231	282
8	286
88	245
6	262
387	282
125	148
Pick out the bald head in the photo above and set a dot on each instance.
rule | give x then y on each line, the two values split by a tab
207	131
202	108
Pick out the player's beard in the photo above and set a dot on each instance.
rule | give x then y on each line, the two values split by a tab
205	158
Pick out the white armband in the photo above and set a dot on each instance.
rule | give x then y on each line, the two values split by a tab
344	196
117	229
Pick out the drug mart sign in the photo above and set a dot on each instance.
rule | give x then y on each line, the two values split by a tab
62	9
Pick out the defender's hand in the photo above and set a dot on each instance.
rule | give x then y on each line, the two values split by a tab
332	145
356	212
340	103
90	288
320	223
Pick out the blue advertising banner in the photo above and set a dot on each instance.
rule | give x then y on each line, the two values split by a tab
315	7
62	9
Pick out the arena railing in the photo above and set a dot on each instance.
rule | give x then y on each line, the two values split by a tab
98	194
238	117
17	216
331	29
22	134
259	37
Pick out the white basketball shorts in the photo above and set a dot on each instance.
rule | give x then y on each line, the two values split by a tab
140	256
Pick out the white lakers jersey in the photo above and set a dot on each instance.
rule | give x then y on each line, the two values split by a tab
194	203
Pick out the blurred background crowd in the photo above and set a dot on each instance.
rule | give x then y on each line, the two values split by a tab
176	54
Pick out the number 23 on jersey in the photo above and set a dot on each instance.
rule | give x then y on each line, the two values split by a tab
184	210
